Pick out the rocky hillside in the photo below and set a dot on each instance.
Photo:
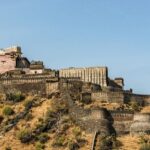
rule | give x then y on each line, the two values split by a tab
30	122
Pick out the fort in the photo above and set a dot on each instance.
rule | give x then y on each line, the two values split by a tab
90	84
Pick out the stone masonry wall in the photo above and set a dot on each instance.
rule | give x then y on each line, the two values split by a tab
113	97
26	88
122	121
143	100
7	63
96	75
30	85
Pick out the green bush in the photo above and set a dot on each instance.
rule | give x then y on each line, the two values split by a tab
15	96
28	104
25	136
39	146
76	131
8	111
59	141
43	138
135	106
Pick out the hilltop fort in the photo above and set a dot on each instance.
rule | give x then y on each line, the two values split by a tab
88	84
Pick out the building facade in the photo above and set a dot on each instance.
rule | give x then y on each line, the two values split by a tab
96	75
11	59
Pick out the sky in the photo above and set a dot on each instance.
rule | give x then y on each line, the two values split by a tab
82	33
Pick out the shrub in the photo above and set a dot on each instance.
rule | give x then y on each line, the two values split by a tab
39	146
135	106
43	138
7	111
28	104
25	136
59	141
59	106
76	131
15	96
50	115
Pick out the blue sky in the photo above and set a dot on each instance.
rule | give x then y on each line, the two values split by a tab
66	33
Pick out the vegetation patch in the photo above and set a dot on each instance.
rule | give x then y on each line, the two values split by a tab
28	104
25	136
8	111
39	146
15	96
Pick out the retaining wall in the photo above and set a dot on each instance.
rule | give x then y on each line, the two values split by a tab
113	97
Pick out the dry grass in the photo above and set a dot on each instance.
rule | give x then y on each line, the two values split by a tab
129	142
10	138
109	106
146	109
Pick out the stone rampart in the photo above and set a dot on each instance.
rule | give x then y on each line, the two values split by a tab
112	97
122	121
143	100
141	124
122	115
42	86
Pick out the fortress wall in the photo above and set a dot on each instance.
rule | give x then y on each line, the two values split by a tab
51	87
26	88
27	76
141	99
141	124
70	83
122	115
40	86
122	127
113	97
122	121
121	97
29	79
96	75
